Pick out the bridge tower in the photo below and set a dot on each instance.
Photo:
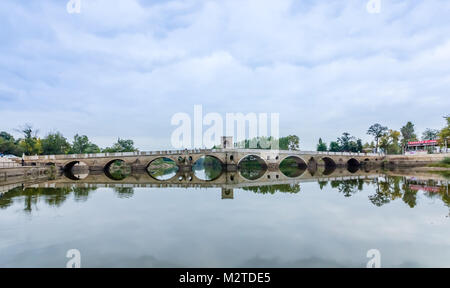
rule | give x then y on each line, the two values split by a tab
227	193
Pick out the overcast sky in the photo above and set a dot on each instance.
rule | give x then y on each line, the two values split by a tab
123	68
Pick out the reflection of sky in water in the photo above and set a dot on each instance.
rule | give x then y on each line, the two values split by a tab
194	227
166	175
206	173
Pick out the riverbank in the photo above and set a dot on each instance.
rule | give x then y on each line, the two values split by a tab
11	176
413	161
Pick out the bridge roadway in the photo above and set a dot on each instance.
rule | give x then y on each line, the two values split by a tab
230	158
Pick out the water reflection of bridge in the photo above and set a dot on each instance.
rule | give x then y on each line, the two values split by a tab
227	180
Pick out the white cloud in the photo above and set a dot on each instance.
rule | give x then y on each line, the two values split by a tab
125	66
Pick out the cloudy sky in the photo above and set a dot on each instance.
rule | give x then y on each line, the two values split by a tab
123	68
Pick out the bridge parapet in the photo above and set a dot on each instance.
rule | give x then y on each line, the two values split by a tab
191	151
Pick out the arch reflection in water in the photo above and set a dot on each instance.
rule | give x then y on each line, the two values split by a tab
252	167
162	168
292	166
117	170
76	170
207	168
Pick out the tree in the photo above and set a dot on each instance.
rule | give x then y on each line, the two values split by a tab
408	133
394	138
334	147
445	133
121	145
321	146
349	143
55	143
390	142
359	145
291	142
344	141
82	145
7	144
377	131
30	144
430	134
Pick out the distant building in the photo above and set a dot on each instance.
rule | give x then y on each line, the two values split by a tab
422	146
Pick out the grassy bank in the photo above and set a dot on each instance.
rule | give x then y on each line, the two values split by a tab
442	164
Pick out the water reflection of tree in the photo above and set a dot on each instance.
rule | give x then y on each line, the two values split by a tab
162	167
391	188
119	170
124	192
211	166
31	196
212	172
348	187
322	184
409	196
252	173
272	189
81	194
54	197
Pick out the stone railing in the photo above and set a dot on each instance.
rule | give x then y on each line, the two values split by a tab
117	154
189	151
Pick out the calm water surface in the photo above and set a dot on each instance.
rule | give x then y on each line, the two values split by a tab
315	223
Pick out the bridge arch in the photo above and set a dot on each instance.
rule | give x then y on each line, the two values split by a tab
255	157
329	162
208	170
68	169
107	171
292	166
167	172
249	173
212	156
330	166
353	165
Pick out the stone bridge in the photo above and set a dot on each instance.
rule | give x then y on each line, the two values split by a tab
185	159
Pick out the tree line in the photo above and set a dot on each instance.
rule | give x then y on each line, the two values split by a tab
55	143
387	140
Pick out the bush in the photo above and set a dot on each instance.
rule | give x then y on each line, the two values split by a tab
446	161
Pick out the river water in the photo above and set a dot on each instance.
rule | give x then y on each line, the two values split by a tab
316	221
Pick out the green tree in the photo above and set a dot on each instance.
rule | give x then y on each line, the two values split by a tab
430	134
445	133
349	143
408	133
121	145
7	144
291	142
344	141
81	145
29	144
55	143
334	147
359	145
377	131
321	146
390	142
